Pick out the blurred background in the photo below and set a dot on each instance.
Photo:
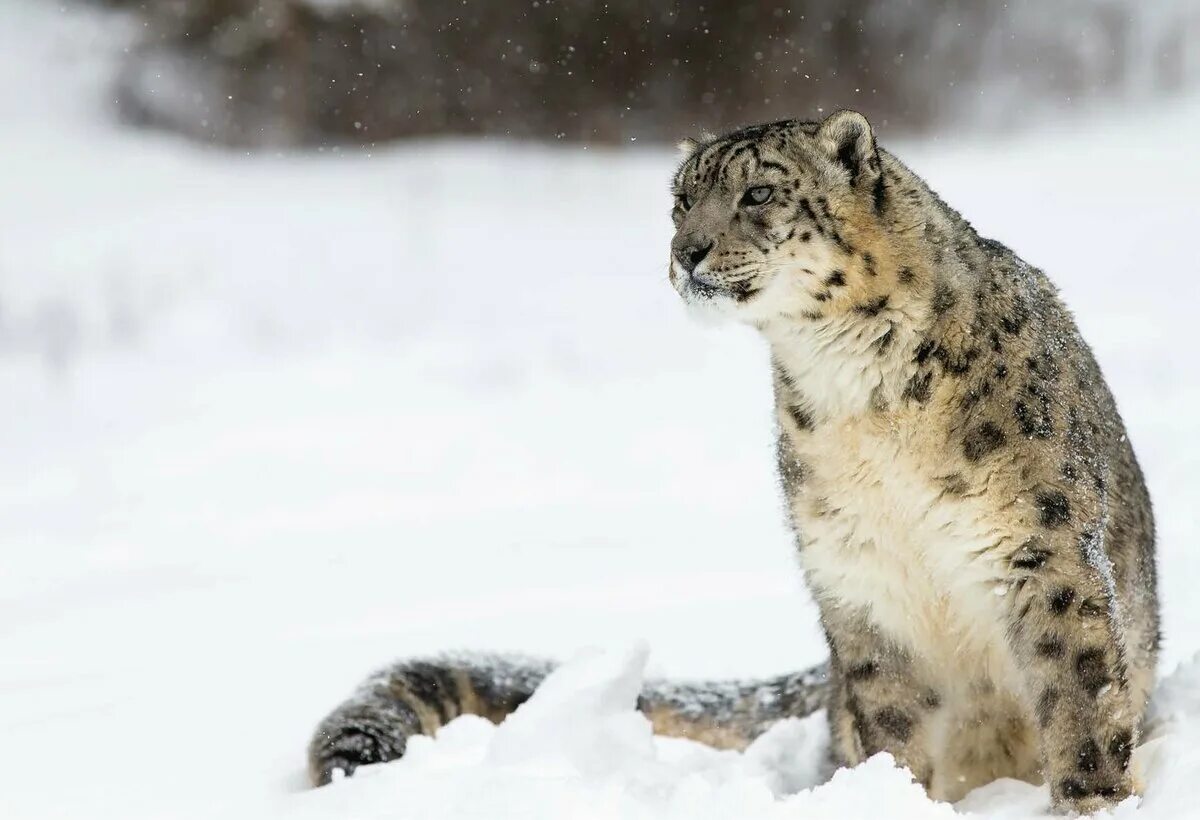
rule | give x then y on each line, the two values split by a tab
338	330
305	72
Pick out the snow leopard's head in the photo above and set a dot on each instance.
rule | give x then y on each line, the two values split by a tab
779	220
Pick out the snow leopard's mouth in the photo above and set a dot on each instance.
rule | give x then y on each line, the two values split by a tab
701	285
738	290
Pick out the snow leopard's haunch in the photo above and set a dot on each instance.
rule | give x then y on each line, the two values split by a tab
418	697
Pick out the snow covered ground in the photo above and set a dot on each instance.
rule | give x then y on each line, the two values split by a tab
272	421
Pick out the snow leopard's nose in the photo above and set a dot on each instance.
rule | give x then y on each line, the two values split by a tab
689	253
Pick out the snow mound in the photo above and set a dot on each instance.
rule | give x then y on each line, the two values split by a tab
579	748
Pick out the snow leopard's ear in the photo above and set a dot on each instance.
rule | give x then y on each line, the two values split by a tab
846	138
686	147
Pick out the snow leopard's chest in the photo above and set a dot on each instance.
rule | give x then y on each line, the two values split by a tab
888	527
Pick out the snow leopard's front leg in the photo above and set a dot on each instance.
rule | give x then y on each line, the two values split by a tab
1068	644
878	701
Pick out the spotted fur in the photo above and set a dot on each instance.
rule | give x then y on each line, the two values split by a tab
972	521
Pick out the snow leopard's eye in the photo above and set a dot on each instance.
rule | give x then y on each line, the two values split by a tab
683	201
758	195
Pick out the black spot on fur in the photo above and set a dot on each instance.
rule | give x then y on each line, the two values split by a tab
1073	789
862	671
924	351
806	236
944	298
802	417
957	364
879	194
836	279
1061	599
1069	472
906	275
895	723
1016	320
1089	756
1045	706
1054	509
984	439
1120	748
932	699
1091	670
1094	608
1034	424
860	720
1050	647
919	388
869	264
872	308
1031	556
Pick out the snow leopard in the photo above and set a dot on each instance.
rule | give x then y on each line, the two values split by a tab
967	509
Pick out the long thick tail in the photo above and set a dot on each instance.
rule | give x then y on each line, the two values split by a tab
417	697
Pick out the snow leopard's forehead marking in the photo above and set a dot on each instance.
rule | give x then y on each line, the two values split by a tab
767	145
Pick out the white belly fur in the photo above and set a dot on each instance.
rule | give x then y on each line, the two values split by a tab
926	566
